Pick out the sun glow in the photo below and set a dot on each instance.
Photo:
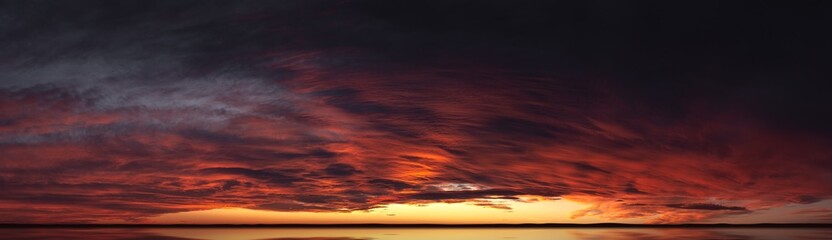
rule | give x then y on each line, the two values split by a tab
542	211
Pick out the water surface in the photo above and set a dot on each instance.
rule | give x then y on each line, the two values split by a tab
412	234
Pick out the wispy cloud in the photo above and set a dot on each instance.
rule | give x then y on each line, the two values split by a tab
212	108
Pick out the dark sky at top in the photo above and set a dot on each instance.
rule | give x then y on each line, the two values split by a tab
671	111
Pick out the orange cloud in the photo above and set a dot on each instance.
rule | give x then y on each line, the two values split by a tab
260	122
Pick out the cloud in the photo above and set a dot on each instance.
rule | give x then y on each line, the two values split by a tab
133	111
267	175
457	195
706	206
388	183
816	214
340	169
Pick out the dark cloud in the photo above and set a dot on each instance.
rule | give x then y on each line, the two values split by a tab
341	169
230	184
586	167
805	199
457	195
316	198
388	183
706	206
631	188
295	207
134	109
267	175
521	128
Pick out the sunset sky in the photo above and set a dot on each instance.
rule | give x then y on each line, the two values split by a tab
431	111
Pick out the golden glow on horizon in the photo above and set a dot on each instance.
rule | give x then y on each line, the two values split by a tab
366	233
444	213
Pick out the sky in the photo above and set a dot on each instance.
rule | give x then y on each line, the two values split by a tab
414	112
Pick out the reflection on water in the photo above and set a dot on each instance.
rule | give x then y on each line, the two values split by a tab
412	234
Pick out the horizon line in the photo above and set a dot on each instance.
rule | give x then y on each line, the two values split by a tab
423	225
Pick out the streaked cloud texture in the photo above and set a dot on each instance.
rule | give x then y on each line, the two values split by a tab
113	111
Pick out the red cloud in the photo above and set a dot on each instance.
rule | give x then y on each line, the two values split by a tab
344	140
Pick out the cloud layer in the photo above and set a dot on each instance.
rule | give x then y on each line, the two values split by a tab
135	110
